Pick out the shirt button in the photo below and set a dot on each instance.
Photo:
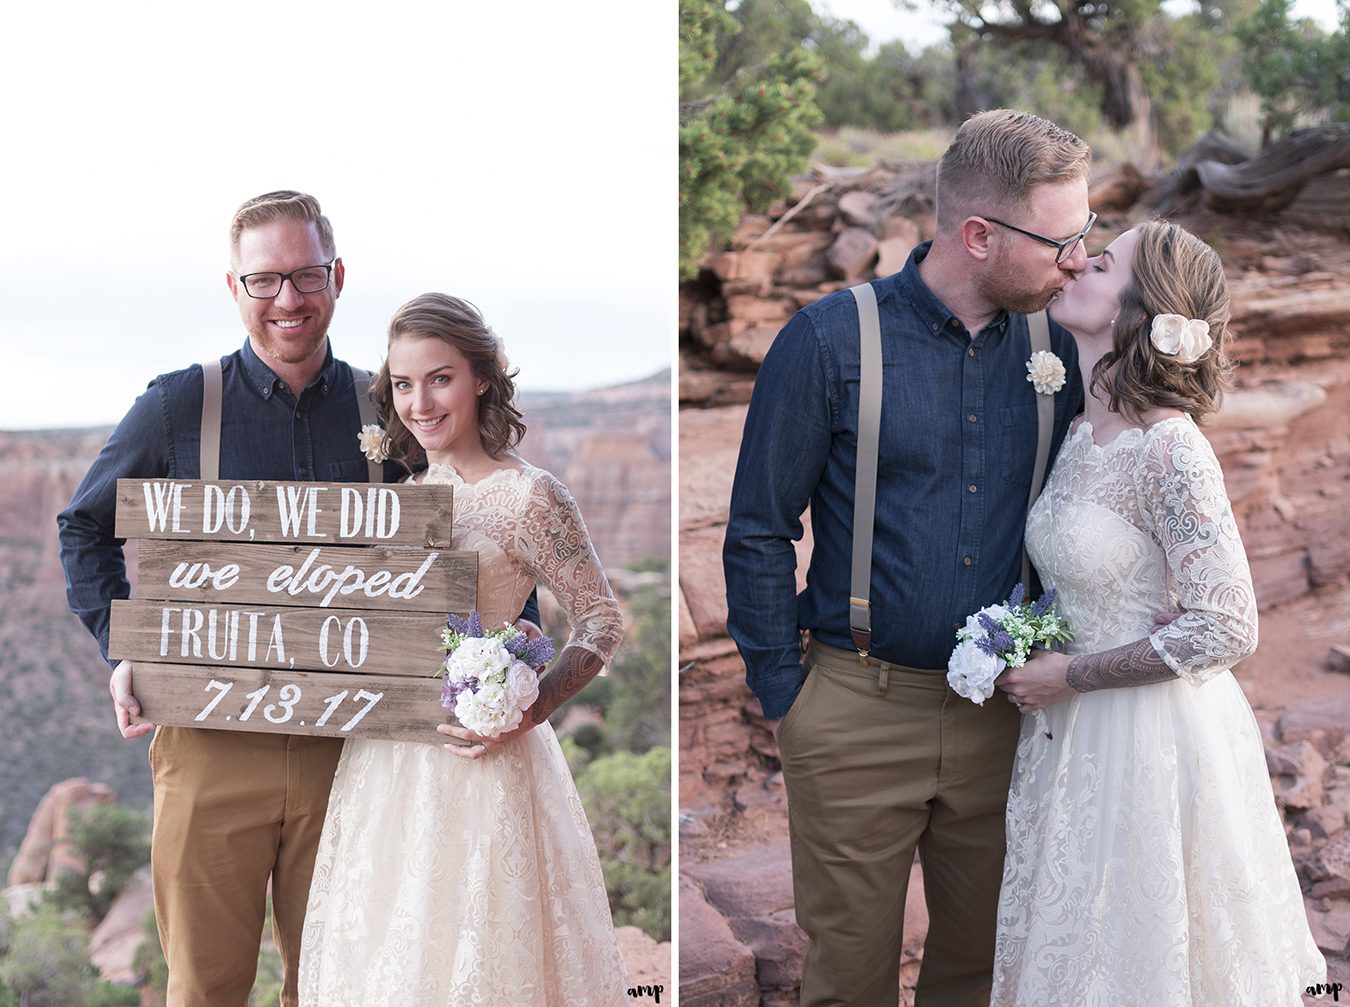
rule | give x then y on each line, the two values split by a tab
267	393
970	352
967	561
935	326
971	417
971	487
304	472
299	416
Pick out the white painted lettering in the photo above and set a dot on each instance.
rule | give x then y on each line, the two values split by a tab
165	614
275	642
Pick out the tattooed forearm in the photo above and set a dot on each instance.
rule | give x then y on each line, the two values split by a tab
1133	664
574	669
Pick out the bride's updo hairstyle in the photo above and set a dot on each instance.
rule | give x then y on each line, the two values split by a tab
459	323
1176	273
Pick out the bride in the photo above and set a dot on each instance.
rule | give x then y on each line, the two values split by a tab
466	874
1146	861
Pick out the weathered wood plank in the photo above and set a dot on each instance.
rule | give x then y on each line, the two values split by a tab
358	577
259	511
290	702
278	638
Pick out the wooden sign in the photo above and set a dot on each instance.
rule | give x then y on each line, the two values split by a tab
292	702
294	608
339	513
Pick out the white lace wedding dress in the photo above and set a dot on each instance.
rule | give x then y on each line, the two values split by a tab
444	882
1146	861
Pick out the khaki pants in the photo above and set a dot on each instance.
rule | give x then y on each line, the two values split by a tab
878	763
233	809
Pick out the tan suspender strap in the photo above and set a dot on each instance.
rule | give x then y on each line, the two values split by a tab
865	475
367	411
211	396
1039	327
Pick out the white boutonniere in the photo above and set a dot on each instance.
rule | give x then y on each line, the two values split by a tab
1046	372
374	442
1187	339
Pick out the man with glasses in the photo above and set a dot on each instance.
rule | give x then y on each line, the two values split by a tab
879	757
233	810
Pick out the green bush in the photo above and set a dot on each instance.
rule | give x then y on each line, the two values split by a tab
627	800
48	962
744	129
112	843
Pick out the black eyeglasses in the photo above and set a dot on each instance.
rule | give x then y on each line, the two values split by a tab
305	280
1063	248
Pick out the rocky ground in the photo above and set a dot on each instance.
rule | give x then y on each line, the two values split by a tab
1283	438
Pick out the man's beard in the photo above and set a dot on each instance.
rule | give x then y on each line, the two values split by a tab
288	351
998	286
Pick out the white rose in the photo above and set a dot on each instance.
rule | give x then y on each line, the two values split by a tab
522	683
458	669
1187	339
480	657
492	693
1046	372
469	712
972	630
971	672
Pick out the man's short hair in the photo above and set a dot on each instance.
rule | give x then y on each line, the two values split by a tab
285	204
998	157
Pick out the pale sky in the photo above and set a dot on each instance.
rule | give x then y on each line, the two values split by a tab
519	155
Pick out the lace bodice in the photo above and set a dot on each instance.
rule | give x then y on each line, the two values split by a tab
526	528
1139	526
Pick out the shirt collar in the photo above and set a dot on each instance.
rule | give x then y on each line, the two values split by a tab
929	309
263	380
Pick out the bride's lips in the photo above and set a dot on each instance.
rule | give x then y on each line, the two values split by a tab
428	424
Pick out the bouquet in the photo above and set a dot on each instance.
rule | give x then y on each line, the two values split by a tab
999	637
491	677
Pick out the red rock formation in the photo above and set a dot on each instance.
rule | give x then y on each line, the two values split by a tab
113	944
43	854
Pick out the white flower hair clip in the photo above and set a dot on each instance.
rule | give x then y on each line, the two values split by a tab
1187	339
374	442
1046	372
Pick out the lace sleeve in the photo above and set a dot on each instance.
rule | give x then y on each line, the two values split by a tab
552	541
1185	507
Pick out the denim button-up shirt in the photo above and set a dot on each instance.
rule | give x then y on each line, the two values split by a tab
267	432
958	445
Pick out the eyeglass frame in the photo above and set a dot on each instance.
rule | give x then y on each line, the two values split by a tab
1063	248
328	279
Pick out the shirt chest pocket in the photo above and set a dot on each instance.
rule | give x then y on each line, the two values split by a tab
1017	429
349	472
